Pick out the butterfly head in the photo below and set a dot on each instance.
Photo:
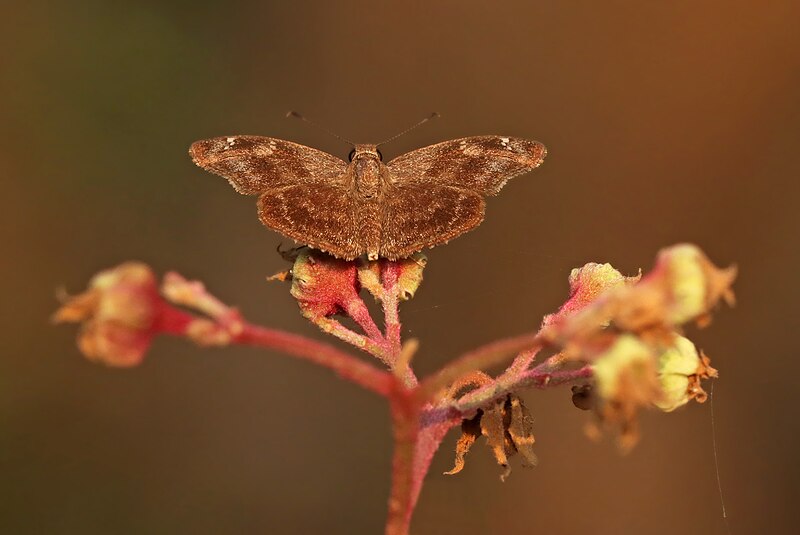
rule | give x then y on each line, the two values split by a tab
368	152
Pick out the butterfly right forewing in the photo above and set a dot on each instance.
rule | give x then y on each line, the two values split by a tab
303	192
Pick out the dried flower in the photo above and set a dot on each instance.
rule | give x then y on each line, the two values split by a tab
508	427
119	311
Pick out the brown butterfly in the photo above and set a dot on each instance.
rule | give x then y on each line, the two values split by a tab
420	199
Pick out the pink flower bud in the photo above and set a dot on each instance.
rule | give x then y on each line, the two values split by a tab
323	285
586	284
119	312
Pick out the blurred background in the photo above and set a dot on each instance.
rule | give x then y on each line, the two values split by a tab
665	122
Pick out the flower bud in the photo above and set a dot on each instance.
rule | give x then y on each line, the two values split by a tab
626	379
323	285
627	361
586	284
694	284
410	275
680	371
118	311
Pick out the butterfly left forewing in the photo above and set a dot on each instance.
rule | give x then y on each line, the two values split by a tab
255	164
481	164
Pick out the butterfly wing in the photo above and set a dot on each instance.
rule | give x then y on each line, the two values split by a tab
437	191
320	215
423	215
254	164
304	192
481	164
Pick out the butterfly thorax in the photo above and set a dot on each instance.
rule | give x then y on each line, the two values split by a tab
368	171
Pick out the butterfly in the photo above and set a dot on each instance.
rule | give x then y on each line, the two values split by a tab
420	199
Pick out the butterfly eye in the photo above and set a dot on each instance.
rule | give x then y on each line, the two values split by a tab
380	156
350	156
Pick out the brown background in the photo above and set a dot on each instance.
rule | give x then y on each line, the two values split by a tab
665	121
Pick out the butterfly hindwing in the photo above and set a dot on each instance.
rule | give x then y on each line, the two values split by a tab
255	164
420	216
320	215
479	164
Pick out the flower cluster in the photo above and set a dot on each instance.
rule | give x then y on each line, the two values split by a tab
618	341
630	331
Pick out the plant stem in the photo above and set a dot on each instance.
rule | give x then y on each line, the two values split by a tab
358	310
405	424
391	273
480	358
347	366
499	388
376	348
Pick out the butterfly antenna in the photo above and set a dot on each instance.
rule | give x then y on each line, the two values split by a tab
296	115
433	115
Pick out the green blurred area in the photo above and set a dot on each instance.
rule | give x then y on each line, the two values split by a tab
665	122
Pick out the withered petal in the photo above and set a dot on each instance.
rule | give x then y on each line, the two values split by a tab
521	430
470	431
493	429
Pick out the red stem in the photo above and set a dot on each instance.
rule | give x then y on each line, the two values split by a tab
171	320
543	379
405	424
390	276
348	367
480	358
431	435
359	312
